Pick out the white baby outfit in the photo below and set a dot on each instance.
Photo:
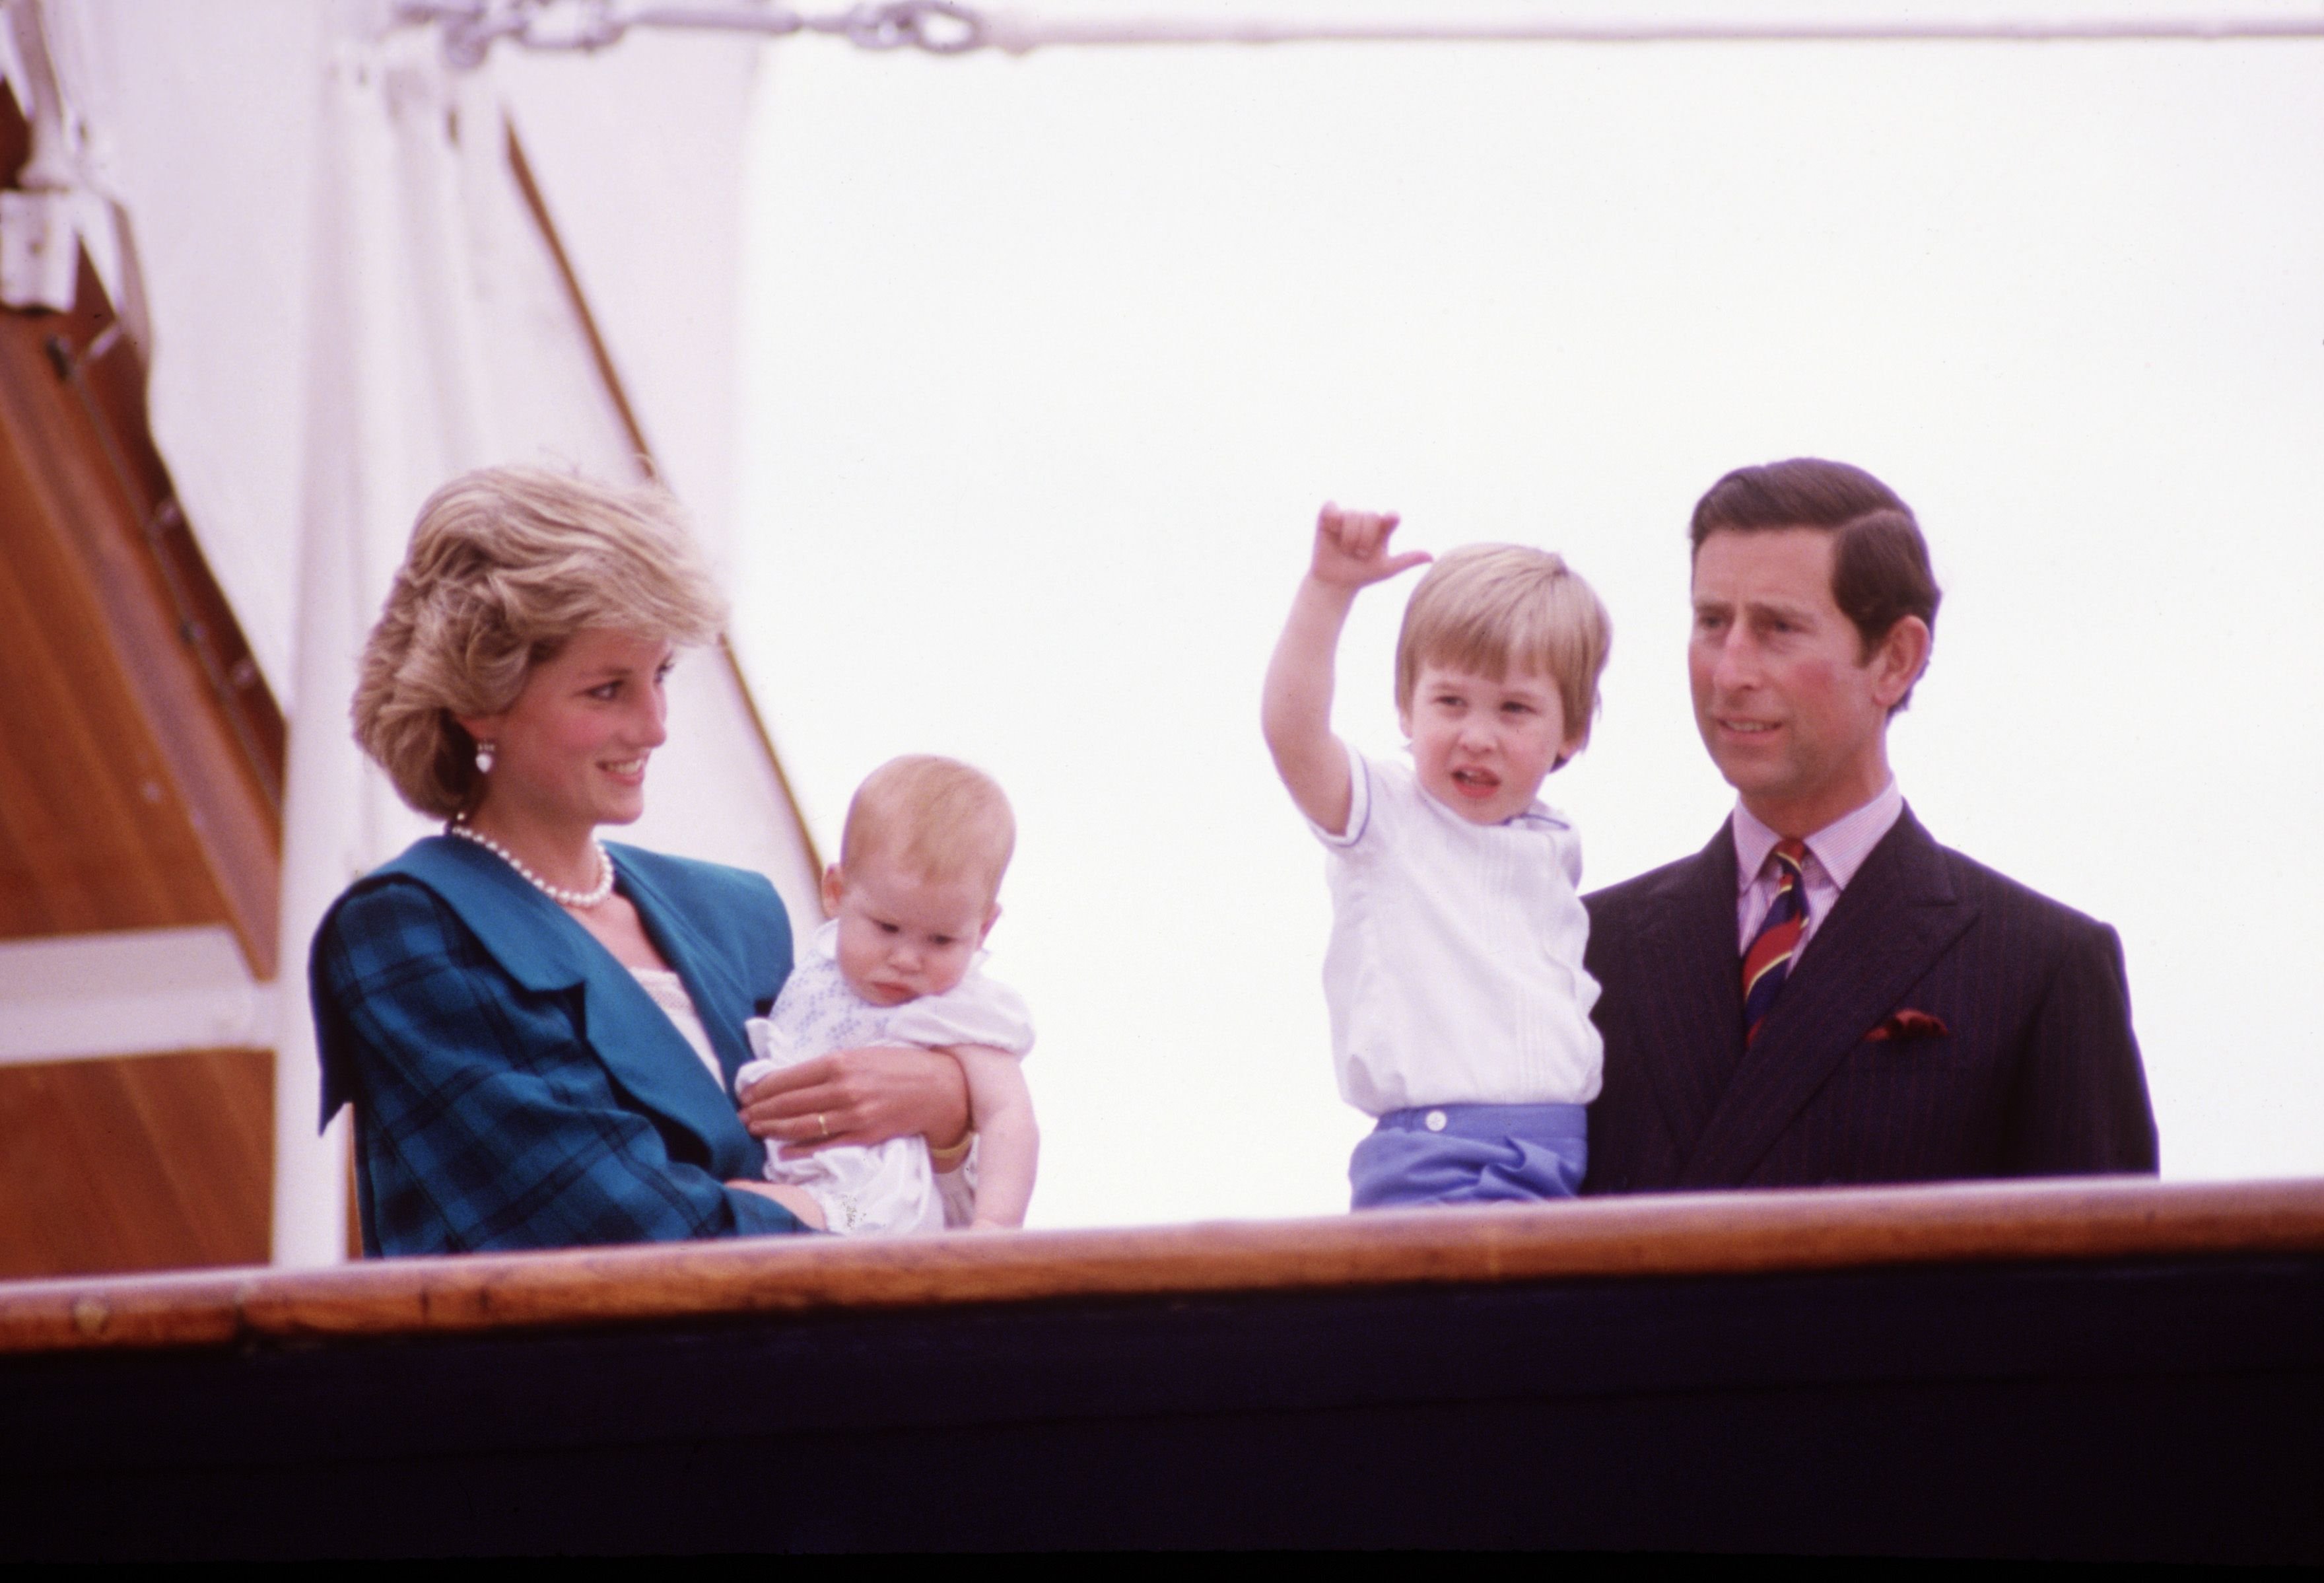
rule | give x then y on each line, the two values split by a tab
885	1187
1454	974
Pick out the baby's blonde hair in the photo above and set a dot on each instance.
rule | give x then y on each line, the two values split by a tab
1495	608
937	818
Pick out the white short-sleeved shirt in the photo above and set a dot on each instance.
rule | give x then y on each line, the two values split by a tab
1454	973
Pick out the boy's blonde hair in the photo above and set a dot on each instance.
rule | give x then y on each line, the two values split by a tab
1495	608
506	566
939	819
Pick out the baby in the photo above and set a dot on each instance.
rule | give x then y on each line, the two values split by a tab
1459	1007
909	903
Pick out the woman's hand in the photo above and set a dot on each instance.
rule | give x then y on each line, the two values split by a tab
866	1096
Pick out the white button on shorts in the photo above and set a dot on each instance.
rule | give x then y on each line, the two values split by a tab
1435	1120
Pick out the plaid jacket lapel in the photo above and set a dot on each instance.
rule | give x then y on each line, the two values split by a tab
721	998
545	951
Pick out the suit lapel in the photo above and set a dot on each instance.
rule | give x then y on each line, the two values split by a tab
1894	919
545	951
1689	999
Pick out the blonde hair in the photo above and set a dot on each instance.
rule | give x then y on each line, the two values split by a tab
1494	608
938	817
506	566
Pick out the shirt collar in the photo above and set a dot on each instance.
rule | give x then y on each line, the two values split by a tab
1541	816
1841	847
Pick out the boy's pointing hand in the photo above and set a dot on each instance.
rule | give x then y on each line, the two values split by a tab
1351	548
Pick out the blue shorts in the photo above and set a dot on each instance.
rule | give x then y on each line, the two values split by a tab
1474	1154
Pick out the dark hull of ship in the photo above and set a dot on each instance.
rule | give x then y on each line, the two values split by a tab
2112	1371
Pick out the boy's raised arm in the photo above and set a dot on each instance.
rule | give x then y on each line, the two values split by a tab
1350	553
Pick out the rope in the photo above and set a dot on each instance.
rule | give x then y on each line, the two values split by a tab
1019	33
946	27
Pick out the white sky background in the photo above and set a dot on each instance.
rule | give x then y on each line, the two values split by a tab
1050	361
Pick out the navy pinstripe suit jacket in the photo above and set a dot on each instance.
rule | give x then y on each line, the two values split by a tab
514	1086
2036	1072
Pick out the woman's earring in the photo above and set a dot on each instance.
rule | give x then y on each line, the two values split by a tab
484	758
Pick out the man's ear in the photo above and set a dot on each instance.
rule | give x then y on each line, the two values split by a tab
835	886
990	917
1899	659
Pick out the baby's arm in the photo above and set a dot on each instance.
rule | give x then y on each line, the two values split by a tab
1351	553
1009	1141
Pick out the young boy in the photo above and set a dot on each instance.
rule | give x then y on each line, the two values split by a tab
910	901
1460	1008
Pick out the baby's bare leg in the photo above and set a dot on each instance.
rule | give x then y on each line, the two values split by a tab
797	1199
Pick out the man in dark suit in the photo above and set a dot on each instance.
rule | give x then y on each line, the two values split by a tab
1823	994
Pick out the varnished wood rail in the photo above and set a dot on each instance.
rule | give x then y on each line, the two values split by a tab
1642	1237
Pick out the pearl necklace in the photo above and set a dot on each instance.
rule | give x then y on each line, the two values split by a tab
585	900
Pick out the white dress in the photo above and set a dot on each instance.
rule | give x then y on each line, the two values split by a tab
887	1187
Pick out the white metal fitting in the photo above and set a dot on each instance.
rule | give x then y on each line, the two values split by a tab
40	251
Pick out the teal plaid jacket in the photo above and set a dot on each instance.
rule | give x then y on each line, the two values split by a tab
514	1086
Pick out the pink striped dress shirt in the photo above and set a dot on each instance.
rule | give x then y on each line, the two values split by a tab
1834	855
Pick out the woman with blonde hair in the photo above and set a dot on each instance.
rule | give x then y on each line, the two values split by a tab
539	1032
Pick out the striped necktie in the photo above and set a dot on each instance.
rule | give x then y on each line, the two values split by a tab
1769	959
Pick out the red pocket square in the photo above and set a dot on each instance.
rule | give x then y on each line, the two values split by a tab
1910	1024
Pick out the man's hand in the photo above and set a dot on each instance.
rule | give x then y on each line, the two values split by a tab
864	1096
1352	549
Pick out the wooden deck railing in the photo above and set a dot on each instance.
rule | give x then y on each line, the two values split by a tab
1693	1235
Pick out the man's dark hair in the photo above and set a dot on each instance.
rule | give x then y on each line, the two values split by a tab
1879	561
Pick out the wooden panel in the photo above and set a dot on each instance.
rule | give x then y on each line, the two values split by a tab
140	772
1688	1234
150	1162
92	836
